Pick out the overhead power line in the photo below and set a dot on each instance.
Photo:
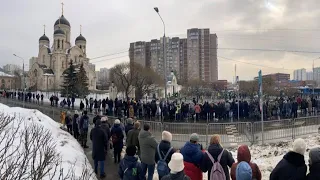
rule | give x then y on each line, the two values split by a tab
121	52
110	59
259	65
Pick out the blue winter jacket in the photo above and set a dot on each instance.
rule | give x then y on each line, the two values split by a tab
117	130
134	174
192	153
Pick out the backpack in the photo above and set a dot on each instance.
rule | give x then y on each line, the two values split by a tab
130	172
114	138
85	122
162	166
217	171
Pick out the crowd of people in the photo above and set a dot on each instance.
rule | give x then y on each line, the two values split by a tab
144	154
277	108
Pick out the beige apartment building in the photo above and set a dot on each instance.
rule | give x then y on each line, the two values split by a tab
193	58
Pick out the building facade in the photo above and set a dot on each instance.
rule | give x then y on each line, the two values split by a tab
193	58
277	77
300	74
46	70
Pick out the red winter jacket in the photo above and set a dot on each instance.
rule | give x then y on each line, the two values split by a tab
244	155
192	171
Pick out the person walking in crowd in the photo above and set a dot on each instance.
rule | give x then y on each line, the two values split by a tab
75	124
148	146
96	118
163	155
314	164
244	155
176	168
130	168
117	140
292	166
244	171
106	129
99	144
129	126
218	156
192	155
68	122
132	137
84	128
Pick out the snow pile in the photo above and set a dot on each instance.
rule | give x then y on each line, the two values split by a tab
43	132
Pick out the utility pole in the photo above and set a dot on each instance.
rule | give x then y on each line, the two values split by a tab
24	79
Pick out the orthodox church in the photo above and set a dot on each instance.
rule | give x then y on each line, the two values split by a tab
46	70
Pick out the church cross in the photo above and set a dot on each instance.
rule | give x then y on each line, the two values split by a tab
62	7
44	29
80	29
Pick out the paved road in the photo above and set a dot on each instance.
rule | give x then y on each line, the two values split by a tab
111	169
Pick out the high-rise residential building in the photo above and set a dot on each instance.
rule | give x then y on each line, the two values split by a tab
103	74
309	76
11	68
193	58
300	74
138	53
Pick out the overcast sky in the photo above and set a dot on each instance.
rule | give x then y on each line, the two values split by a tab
110	25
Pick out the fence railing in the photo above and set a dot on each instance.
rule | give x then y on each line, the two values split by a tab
231	134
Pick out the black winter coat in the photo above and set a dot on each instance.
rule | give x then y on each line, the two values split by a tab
99	143
314	173
292	167
164	147
117	131
226	160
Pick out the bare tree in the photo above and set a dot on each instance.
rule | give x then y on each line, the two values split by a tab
129	76
28	151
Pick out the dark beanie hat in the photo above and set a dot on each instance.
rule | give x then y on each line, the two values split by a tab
131	150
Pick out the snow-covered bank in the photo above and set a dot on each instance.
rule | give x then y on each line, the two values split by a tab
32	140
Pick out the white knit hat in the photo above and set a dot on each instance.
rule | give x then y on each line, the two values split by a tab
117	121
299	146
166	136
104	119
176	164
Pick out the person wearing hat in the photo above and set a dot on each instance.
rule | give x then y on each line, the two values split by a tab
192	155
130	168
244	171
215	150
129	126
117	140
314	164
292	166
99	143
244	155
164	148
176	166
105	126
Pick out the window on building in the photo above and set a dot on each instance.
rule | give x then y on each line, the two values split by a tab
62	65
58	43
43	59
75	59
49	81
3	84
80	46
62	44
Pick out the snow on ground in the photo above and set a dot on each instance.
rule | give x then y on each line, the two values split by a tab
97	96
268	156
71	153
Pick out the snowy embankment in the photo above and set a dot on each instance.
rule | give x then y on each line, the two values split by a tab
268	156
32	146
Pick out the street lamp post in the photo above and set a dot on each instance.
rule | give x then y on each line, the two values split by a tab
24	78
164	52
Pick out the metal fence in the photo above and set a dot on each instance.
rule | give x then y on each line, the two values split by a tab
232	134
